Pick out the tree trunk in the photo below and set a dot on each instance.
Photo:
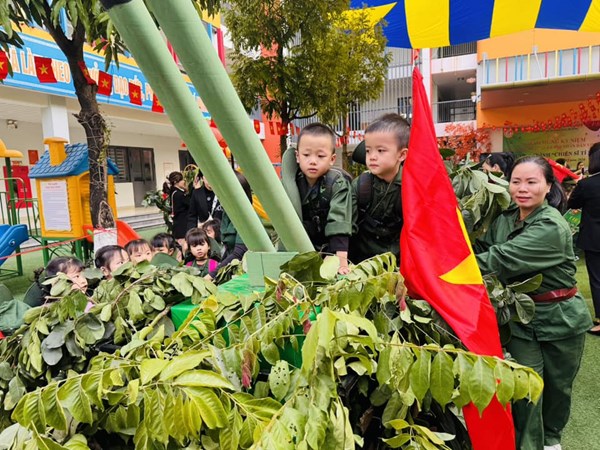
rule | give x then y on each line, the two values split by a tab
97	139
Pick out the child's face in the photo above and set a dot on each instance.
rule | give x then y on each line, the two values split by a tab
200	251
383	155
164	249
117	260
79	281
143	253
315	156
210	232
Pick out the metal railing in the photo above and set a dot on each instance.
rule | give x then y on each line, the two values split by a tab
574	62
454	111
396	97
454	50
15	210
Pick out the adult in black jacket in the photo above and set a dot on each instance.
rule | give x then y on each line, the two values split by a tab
204	205
180	204
586	196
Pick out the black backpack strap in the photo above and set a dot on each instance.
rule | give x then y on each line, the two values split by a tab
365	191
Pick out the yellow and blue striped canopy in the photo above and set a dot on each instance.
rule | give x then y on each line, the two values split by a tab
438	23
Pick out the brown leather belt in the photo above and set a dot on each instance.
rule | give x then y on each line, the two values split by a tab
557	295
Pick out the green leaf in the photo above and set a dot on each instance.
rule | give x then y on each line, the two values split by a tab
420	374
211	408
77	442
182	363
182	283
442	378
536	386
270	352
525	307
106	313
521	384
482	384
55	416
506	383
72	397
329	268
202	378
134	307
529	285
89	328
149	368
279	379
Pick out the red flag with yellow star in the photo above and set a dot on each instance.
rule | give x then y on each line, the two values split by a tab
3	65
43	69
86	72
104	83
438	264
157	105
135	94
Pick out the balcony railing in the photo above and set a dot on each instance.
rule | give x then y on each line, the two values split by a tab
454	50
534	66
454	111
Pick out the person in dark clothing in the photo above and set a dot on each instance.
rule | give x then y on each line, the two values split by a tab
204	205
180	204
232	241
499	162
586	196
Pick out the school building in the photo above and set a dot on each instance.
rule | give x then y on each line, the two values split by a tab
143	144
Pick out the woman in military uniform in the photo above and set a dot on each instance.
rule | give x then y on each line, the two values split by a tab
532	237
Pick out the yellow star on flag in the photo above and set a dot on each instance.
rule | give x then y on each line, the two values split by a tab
43	70
105	83
134	94
1	65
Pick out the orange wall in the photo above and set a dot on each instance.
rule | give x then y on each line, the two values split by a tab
546	40
523	115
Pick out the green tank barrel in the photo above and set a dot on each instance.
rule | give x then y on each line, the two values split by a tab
149	49
181	24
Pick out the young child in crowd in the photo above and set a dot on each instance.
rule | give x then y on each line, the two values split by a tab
109	258
73	268
376	193
320	193
212	228
164	243
139	250
198	244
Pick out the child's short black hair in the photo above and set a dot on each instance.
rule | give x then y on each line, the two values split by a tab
106	254
392	123
318	129
163	240
137	245
215	225
196	236
61	264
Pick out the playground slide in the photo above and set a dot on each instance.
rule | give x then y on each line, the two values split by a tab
10	238
124	233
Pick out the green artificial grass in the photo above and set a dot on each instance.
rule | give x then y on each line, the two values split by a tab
585	413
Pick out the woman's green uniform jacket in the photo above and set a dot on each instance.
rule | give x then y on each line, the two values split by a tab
542	243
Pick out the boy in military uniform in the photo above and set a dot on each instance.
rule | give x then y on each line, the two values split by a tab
320	193
376	193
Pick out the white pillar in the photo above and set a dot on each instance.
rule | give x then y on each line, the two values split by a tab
55	118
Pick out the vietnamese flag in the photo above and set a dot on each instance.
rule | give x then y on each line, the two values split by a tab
256	126
43	69
3	65
135	94
157	105
438	264
86	72
104	83
561	172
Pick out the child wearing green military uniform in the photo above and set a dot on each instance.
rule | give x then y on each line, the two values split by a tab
531	237
376	193
320	193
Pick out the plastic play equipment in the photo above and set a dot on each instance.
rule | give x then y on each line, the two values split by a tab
12	234
124	233
11	237
62	180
